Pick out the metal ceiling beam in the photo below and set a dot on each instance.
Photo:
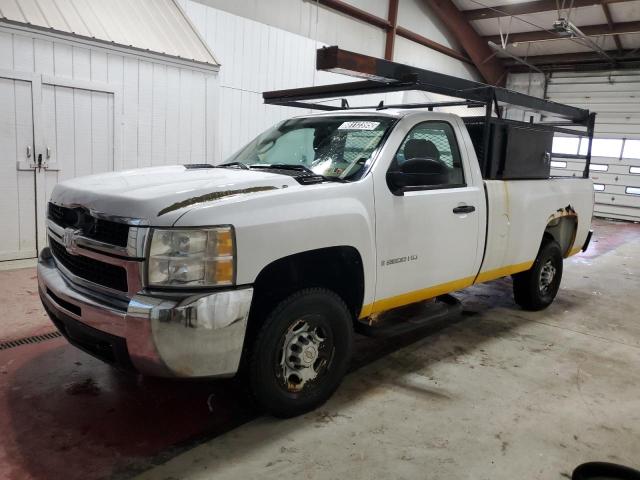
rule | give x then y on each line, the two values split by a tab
579	60
589	30
390	39
386	24
355	12
424	41
482	56
611	23
518	59
529	7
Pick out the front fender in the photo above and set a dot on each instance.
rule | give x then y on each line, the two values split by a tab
290	221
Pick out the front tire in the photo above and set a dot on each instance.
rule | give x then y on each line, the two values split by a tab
301	353
536	288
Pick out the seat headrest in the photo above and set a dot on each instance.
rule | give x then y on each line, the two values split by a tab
420	148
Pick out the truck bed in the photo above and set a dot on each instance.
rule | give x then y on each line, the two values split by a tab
519	210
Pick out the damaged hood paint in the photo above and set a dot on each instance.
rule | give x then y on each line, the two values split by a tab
160	195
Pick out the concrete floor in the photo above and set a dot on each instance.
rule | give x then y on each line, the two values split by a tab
496	393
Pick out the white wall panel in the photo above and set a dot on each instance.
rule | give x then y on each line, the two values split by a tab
17	212
145	113
529	83
96	110
145	97
416	16
305	19
378	8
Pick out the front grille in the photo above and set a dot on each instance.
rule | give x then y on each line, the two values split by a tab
101	273
102	230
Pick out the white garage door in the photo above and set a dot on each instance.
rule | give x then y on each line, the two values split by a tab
17	207
77	139
69	129
615	162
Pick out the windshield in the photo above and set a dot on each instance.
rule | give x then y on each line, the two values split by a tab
334	147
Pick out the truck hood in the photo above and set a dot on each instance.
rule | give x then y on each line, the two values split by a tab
160	195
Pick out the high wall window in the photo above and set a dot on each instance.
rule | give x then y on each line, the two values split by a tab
601	147
631	149
566	145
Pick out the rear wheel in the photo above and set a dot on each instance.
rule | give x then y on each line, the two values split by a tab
536	288
301	353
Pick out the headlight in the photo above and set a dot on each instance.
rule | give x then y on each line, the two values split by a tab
192	258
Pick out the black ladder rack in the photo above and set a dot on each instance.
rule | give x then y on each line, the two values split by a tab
382	76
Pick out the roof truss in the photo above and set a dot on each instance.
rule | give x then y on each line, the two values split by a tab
529	7
589	30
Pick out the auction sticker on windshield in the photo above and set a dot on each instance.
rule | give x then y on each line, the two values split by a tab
358	126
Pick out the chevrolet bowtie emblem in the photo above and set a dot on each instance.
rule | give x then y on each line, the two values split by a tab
69	239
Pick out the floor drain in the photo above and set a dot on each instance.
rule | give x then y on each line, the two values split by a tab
29	340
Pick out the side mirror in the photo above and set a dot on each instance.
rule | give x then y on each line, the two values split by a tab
396	181
415	173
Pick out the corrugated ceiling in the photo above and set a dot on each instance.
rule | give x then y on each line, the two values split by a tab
158	26
627	11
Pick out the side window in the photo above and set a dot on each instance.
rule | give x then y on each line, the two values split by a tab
429	156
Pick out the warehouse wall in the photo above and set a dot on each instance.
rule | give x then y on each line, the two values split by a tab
529	83
93	109
304	19
271	45
163	107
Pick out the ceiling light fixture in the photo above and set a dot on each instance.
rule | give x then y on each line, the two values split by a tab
564	28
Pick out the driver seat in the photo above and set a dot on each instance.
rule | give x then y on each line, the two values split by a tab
420	148
423	157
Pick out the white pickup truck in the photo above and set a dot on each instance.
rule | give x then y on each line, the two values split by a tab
264	264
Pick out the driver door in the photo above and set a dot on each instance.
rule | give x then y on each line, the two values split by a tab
428	238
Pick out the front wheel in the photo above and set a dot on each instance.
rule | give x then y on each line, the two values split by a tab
301	353
536	288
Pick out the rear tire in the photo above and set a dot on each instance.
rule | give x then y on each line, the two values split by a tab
301	353
536	288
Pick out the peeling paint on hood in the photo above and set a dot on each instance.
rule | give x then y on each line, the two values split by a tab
209	197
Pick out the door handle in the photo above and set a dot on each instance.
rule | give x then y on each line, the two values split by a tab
464	209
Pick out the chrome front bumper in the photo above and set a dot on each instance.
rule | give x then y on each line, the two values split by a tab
195	336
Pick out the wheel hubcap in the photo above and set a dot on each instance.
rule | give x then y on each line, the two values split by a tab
547	274
306	353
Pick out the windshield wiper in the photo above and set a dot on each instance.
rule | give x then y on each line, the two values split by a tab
296	168
234	164
282	166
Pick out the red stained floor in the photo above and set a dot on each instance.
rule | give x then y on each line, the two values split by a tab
65	415
609	235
